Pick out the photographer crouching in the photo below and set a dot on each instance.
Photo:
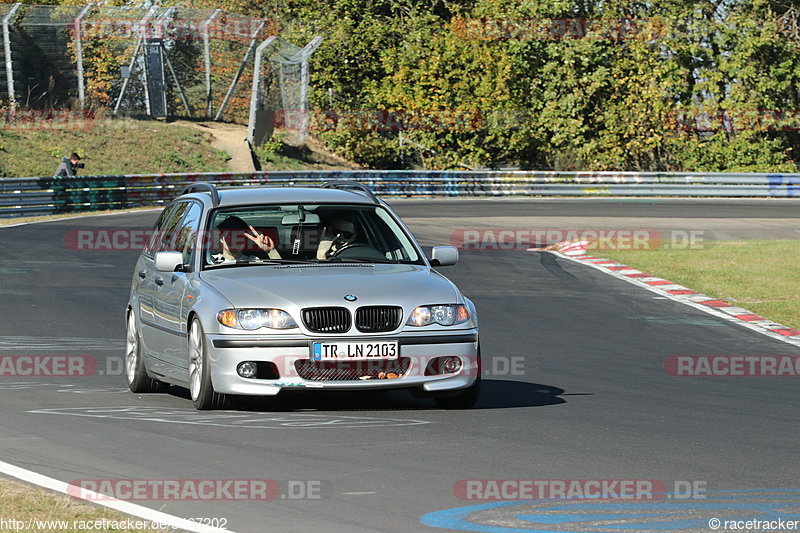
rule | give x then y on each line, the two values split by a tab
69	166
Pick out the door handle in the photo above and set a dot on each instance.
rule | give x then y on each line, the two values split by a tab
159	280
142	274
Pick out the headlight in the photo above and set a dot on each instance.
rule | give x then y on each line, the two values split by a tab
445	315
256	318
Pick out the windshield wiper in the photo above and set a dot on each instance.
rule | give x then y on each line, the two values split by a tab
262	262
362	260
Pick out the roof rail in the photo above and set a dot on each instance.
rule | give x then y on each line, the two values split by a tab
203	186
351	185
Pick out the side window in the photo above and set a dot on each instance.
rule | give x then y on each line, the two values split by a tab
186	234
169	232
155	238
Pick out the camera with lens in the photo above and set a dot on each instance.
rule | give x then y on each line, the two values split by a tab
79	165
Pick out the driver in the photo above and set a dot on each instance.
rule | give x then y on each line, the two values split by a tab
340	232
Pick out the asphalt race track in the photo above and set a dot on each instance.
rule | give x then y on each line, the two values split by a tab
575	389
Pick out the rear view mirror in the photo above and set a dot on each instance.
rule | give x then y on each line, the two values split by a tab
444	255
293	219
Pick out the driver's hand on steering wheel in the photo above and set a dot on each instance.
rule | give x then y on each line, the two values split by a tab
324	250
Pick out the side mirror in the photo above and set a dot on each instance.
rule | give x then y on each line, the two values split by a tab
168	261
444	255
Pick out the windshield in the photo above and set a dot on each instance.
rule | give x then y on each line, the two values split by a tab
307	233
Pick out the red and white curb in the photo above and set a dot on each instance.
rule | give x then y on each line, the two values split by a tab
576	251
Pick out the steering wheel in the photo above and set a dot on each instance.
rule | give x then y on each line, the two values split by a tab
348	247
362	250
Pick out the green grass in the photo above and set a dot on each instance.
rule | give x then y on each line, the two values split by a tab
129	146
278	154
271	161
760	276
22	502
118	146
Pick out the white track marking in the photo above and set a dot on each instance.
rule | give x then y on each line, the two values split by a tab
82	216
106	501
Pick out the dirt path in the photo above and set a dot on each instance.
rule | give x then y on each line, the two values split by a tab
230	138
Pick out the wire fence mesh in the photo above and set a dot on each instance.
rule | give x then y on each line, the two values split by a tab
200	62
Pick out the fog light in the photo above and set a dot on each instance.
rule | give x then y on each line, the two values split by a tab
450	365
247	369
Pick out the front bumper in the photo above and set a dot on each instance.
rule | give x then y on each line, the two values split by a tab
227	351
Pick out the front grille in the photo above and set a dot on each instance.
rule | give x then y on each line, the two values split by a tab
327	319
378	318
351	370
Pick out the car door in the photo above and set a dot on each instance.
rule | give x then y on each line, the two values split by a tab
173	310
146	288
156	338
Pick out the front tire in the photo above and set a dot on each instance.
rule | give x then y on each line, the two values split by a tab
462	399
138	380
200	387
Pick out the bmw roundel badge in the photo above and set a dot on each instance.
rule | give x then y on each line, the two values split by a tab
351	297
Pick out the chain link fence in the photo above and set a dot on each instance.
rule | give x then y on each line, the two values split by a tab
280	89
157	61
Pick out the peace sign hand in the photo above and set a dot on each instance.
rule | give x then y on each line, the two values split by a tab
262	241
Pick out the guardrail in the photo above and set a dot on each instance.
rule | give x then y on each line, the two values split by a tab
50	195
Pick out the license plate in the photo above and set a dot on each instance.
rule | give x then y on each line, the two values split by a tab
352	351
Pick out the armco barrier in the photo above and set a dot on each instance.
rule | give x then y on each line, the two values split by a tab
36	196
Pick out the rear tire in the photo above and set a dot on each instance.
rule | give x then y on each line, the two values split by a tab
200	387
138	380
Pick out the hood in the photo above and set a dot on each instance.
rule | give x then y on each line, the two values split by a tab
291	287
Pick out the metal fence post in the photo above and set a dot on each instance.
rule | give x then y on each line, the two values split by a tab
207	60
7	49
305	54
79	53
255	89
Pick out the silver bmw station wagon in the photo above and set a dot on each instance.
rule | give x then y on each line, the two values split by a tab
251	291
